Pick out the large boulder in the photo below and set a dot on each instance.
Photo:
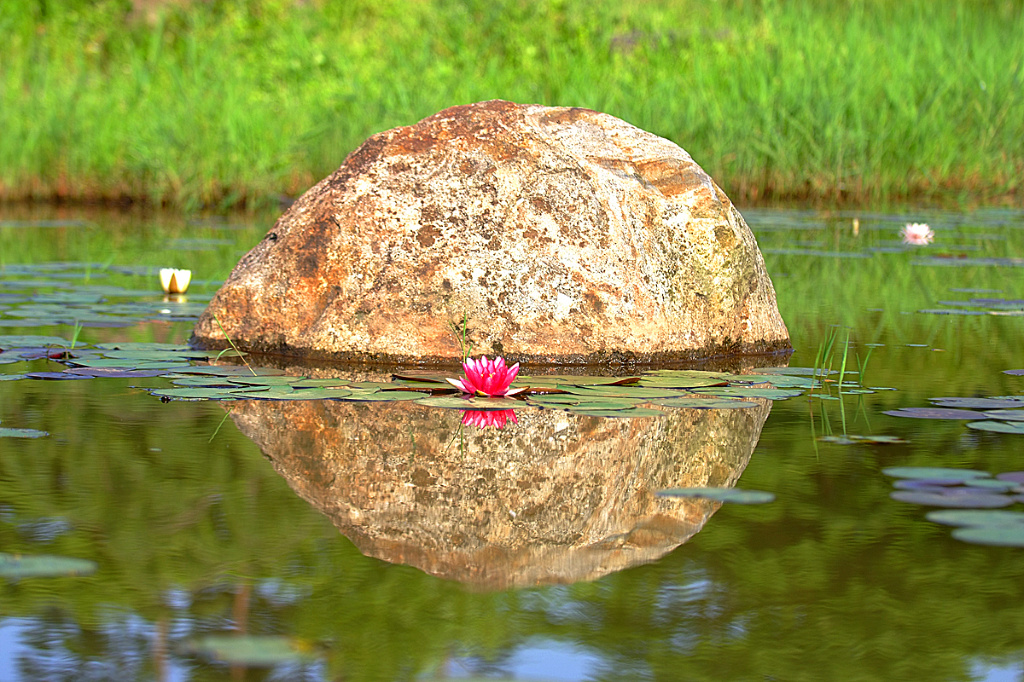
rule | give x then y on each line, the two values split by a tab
546	234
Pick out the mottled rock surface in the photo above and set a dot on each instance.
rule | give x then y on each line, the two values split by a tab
560	235
556	498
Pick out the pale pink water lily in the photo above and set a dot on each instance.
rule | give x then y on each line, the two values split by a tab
489	418
918	234
489	378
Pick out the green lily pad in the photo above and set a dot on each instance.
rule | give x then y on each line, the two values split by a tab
1005	415
853	440
778	380
997	535
734	495
796	371
31	341
453	402
373	395
232	370
627	413
251	650
16	566
934	413
998	427
704	403
683	379
634	392
935	499
976	517
21	433
563	402
750	392
277	380
945	473
196	393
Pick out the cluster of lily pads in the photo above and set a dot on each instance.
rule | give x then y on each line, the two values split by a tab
50	294
210	375
975	501
1002	414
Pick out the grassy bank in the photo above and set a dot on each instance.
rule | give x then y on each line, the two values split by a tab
227	103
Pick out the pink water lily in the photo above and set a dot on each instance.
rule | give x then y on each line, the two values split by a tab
486	418
490	378
918	234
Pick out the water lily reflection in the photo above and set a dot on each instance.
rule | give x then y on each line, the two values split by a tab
485	418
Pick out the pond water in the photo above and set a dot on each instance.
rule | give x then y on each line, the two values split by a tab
342	539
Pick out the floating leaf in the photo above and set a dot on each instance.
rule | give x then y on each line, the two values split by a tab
934	413
54	376
16	566
852	439
195	393
468	403
372	395
999	427
251	650
750	392
634	392
278	380
629	412
232	370
977	403
936	499
704	403
31	341
796	371
21	433
976	517
1015	476
683	379
1005	415
998	535
1015	372
991	484
934	472
778	381
115	372
734	495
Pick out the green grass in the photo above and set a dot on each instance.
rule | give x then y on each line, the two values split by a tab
231	103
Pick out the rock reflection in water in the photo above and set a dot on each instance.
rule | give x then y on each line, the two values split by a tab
556	498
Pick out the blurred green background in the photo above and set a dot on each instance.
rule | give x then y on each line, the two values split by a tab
227	103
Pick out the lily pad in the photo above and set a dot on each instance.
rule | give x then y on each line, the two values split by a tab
469	403
251	650
1005	415
21	433
635	392
704	403
1015	372
946	473
1015	476
998	427
750	392
683	379
196	393
627	413
976	517
936	499
372	395
54	376
998	535
734	495
934	413
852	439
16	566
796	371
977	403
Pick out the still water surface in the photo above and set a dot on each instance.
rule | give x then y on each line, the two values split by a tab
384	542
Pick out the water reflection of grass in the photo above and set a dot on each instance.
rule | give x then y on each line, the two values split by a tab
232	102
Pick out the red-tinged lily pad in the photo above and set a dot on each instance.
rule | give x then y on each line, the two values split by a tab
935	499
998	535
18	566
999	427
6	432
734	495
977	403
976	517
934	413
946	473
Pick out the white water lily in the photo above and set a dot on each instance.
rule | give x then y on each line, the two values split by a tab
918	234
175	281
